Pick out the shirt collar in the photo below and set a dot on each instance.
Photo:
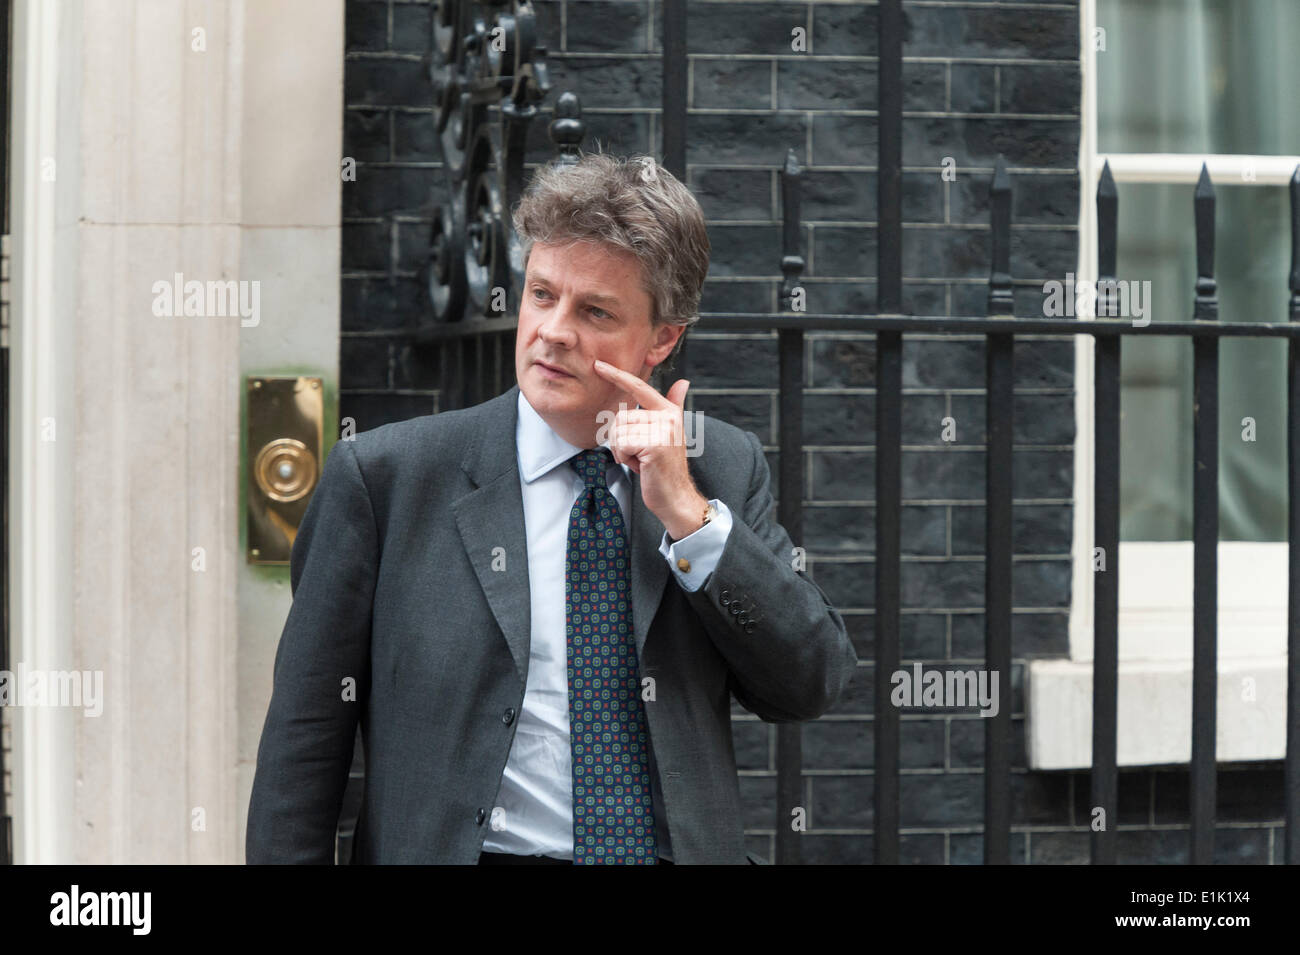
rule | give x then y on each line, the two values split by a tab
540	448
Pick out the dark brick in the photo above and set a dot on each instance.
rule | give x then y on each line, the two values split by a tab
810	83
818	849
1035	199
846	584
949	799
838	195
549	25
922	635
365	363
837	744
745	249
1244	795
732	84
1059	848
620	133
841	802
925	86
1037	419
388	190
843	362
843	475
750	412
413	27
845	418
841	140
844	250
415	137
966	736
932	253
974	89
613	82
757	797
970	32
734	362
733	193
753	296
967	848
1040	89
1036	529
365	25
746	139
365	136
365	246
752	742
618	27
1032	635
383	81
845	29
731	28
381	304
415	368
978	140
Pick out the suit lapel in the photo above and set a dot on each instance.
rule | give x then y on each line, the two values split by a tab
492	515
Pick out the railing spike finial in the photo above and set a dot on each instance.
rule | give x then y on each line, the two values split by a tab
1107	243
1001	299
568	127
1206	306
792	262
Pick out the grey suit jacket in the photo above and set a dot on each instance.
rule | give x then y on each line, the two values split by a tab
410	583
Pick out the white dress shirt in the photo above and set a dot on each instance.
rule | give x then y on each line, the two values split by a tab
533	814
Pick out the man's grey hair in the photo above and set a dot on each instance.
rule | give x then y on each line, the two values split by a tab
630	203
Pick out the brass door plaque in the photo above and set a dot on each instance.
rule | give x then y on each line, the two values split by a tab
285	425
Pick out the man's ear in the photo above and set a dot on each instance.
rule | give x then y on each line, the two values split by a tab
666	337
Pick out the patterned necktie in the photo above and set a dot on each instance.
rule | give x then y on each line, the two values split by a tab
613	817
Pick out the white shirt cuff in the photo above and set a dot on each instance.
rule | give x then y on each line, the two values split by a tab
700	551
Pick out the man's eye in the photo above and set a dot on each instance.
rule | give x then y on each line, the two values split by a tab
539	291
599	313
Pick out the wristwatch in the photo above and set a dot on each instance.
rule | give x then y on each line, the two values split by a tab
710	512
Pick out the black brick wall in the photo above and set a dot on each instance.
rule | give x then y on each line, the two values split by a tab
982	78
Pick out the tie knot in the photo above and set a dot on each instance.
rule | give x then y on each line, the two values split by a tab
591	466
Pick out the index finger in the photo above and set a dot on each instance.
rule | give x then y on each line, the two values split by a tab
638	388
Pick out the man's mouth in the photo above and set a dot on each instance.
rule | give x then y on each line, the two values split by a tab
554	369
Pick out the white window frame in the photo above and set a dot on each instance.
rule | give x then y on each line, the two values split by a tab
1155	588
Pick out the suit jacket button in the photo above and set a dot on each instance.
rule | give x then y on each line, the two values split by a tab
742	619
735	608
480	816
684	565
749	627
725	598
508	716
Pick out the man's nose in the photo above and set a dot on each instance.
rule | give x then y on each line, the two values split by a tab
559	326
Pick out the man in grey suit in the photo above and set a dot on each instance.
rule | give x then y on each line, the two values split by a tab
530	684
